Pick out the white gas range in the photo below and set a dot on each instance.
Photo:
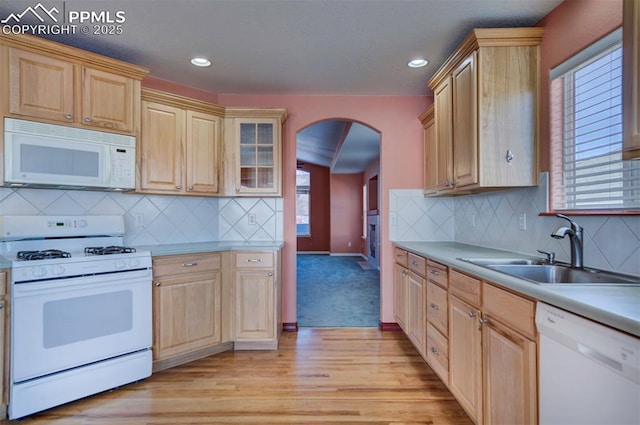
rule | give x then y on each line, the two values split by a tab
80	309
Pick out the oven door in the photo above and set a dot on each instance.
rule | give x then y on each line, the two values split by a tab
60	324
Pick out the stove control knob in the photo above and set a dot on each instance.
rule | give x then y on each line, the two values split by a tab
134	262
39	272
58	270
120	264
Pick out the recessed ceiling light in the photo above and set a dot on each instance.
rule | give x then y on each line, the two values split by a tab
417	63
201	62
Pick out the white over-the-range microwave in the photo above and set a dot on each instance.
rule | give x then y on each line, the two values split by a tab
46	155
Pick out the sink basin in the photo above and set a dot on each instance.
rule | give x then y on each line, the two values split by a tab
539	272
500	261
548	274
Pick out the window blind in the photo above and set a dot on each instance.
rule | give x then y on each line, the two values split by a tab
588	172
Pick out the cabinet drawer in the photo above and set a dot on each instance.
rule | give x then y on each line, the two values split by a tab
187	263
465	287
437	307
438	353
254	260
511	309
3	282
437	273
401	256
417	264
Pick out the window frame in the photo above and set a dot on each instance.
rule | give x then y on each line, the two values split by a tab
558	103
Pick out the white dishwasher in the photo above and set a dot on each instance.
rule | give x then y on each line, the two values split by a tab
589	373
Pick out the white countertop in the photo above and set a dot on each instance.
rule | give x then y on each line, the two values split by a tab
196	247
615	306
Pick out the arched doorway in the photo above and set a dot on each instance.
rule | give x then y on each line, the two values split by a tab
338	171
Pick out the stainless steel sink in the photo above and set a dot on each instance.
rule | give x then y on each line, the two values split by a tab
538	272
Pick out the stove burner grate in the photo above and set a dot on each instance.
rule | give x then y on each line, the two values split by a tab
42	255
106	250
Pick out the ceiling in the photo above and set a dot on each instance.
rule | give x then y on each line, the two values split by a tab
301	47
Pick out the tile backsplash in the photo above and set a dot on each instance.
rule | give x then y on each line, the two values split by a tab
494	219
155	219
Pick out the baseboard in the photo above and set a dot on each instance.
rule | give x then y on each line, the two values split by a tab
290	327
389	327
312	252
346	254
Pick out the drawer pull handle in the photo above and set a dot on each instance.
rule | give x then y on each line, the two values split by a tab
482	321
254	260
68	116
434	351
189	264
88	119
157	283
472	314
434	306
399	255
414	263
433	272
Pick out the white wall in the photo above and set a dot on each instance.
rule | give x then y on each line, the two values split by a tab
165	219
492	219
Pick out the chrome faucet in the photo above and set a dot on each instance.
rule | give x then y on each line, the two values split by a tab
575	236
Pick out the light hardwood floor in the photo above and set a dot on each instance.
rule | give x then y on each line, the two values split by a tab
317	376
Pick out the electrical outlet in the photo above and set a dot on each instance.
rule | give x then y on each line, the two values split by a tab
252	219
523	221
349	244
139	217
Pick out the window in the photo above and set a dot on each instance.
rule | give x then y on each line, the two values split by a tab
303	184
588	172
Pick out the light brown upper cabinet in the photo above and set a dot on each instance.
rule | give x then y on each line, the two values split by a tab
48	81
179	148
486	113
253	151
631	79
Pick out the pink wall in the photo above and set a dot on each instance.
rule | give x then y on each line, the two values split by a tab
346	213
395	117
569	28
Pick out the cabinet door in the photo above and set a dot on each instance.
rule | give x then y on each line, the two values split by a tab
255	304
258	159
160	148
186	314
465	132
40	86
465	357
400	278
416	315
444	135
631	79
510	376
202	152
107	100
430	157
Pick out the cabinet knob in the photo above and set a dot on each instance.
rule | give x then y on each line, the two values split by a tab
270	274
69	116
472	314
483	320
237	190
1	305
190	188
434	351
88	119
433	272
414	263
157	283
434	306
178	187
509	156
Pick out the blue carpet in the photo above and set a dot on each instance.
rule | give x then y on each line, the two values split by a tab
337	292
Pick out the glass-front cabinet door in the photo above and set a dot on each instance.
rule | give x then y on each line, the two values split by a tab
256	145
257	156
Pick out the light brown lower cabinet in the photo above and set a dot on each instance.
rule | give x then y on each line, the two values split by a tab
186	304
257	300
400	284
465	356
416	320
